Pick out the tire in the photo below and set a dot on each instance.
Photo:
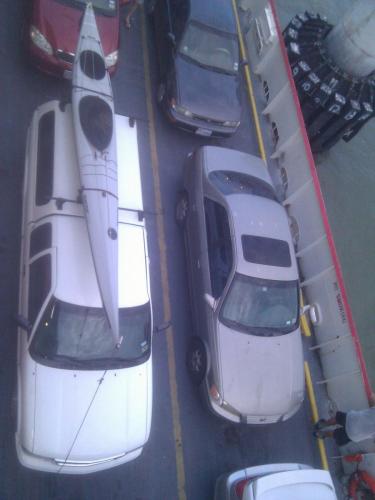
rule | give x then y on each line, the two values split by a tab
150	7
13	412
161	92
196	360
182	208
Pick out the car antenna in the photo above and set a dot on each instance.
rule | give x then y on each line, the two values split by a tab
100	381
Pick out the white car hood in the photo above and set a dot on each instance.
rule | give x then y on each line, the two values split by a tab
261	375
117	422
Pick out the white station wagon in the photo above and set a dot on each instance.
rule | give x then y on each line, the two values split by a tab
83	405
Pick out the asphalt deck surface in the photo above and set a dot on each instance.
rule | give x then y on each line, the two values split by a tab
210	446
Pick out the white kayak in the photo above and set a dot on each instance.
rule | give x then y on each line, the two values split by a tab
93	116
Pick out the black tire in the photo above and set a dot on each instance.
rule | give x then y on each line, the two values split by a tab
181	208
196	360
13	413
161	92
150	7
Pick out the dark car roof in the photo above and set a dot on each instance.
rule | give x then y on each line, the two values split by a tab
215	13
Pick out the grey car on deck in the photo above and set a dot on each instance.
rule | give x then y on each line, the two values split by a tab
245	353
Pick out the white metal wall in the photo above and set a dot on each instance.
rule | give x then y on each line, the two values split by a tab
321	277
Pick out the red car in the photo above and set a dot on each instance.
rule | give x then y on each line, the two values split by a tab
54	28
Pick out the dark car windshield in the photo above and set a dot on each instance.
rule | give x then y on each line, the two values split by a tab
107	7
261	307
211	48
74	336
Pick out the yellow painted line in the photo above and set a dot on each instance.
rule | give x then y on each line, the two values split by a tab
164	271
249	85
314	411
304	323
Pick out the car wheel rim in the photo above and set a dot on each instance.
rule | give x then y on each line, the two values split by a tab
182	208
161	92
196	361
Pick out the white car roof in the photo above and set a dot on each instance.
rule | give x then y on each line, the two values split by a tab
250	214
76	279
307	484
66	183
258	216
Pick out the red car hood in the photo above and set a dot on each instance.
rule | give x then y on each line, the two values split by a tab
59	23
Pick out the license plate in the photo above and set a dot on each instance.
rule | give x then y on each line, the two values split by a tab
203	131
68	74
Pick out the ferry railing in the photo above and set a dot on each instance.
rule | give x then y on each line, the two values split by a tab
322	282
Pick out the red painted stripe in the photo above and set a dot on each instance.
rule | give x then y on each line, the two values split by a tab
323	211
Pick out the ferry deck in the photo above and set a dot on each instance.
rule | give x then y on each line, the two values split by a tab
188	448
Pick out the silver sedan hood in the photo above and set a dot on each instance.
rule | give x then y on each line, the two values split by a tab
260	376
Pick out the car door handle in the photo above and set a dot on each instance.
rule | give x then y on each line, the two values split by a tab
198	264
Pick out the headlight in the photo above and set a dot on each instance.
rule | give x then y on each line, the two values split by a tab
111	59
40	40
231	124
182	111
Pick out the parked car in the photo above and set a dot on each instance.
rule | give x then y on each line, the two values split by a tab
276	482
246	352
53	30
83	405
198	53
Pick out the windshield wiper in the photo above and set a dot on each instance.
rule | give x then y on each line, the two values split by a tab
270	332
117	362
208	66
222	70
68	360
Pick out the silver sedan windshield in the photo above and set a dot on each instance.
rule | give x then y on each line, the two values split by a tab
261	307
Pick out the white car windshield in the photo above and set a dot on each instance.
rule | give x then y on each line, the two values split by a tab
210	48
261	307
71	335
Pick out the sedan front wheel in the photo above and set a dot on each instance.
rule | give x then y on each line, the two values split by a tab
182	207
196	360
160	93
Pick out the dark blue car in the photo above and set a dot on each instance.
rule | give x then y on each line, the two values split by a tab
198	53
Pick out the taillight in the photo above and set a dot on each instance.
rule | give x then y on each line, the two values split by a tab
240	486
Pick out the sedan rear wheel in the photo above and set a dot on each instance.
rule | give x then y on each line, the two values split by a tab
182	207
196	360
13	412
160	93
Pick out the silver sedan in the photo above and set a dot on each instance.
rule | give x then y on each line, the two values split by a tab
246	352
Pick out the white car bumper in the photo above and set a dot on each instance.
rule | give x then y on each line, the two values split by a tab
58	466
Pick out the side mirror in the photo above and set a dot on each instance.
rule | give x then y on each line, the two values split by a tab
314	311
210	300
162	327
23	323
171	38
304	309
